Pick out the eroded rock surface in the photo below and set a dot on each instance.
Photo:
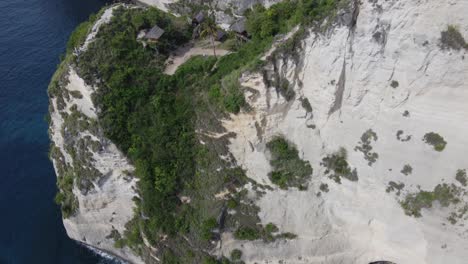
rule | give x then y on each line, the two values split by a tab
386	71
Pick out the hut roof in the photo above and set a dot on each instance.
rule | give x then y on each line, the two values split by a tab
238	26
220	34
154	33
199	17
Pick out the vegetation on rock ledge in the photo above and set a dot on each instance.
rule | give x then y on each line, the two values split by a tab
288	169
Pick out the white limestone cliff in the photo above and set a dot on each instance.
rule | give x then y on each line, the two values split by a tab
346	74
108	205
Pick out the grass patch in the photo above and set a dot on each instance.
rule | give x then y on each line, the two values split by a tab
435	140
288	169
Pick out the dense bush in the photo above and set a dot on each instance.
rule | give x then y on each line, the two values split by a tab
337	166
435	140
288	168
443	193
451	38
247	233
461	177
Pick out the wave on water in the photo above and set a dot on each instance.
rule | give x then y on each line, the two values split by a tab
106	257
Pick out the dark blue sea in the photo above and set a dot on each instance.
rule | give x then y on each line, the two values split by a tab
33	34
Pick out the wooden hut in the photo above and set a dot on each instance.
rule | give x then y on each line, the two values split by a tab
154	34
198	18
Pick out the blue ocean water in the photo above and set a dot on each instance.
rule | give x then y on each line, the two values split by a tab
33	34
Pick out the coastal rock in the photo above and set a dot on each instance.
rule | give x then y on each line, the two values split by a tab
103	184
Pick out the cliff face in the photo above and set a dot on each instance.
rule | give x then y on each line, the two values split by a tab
382	72
96	180
369	87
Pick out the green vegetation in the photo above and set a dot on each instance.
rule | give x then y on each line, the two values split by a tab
153	119
461	177
451	38
324	187
337	167
236	254
76	94
268	233
207	228
288	169
392	186
402	139
407	169
306	105
366	148
394	84
443	193
247	233
65	197
435	140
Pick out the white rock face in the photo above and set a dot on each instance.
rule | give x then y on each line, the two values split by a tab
346	76
109	204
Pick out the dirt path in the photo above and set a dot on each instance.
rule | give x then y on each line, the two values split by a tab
184	53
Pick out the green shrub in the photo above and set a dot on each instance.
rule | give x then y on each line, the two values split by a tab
207	228
392	186
271	228
451	38
247	233
78	36
288	169
324	187
365	146
338	164
407	170
236	254
435	140
443	193
461	177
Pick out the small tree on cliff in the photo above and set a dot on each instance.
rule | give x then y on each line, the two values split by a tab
209	29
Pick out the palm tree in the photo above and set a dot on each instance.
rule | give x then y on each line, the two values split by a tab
209	28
